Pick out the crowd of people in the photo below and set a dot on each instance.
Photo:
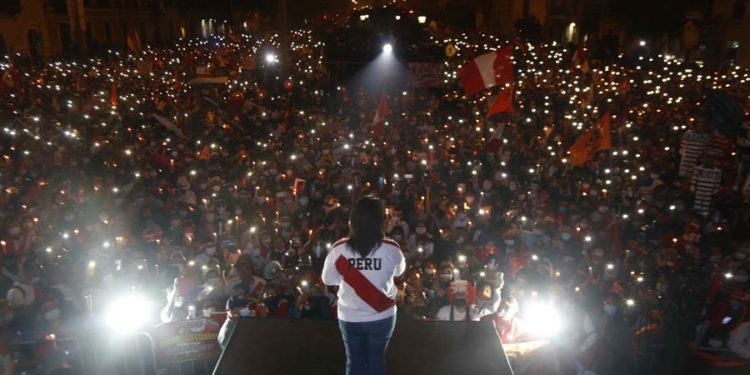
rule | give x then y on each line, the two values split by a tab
120	175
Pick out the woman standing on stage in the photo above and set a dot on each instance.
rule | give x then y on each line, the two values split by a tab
363	267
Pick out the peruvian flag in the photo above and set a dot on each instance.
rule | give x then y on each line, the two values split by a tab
113	100
488	70
378	123
496	140
581	59
503	103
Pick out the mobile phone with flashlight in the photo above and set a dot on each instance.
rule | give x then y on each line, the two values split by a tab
304	286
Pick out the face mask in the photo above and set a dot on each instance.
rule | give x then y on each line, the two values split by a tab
52	314
397	237
238	211
421	230
221	210
610	310
715	343
445	277
510	242
255	252
460	240
15	231
460	303
742	278
304	201
210	251
565	236
210	217
260	199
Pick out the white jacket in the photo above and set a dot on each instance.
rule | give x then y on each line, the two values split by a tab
379	268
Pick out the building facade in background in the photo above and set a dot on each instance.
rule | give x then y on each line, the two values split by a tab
22	28
727	37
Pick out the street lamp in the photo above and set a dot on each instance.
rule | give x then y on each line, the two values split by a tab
422	19
387	48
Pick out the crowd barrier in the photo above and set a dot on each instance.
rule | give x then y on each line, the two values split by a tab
179	348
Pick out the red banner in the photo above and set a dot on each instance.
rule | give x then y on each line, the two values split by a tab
426	74
187	340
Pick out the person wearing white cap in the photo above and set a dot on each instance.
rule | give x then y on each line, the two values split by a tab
187	196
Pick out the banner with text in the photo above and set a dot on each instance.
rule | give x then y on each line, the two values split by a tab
189	339
428	75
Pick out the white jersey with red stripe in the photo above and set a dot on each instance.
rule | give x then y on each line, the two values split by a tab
379	268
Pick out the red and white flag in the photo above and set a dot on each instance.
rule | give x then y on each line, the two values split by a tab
496	140
503	103
581	59
378	123
488	70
